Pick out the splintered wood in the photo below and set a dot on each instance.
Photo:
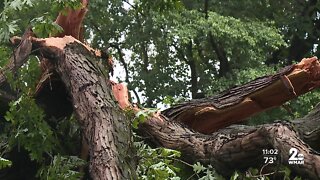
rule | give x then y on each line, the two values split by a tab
234	105
71	21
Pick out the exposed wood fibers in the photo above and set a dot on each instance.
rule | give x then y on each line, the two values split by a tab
207	118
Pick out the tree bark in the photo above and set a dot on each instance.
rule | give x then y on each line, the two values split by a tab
240	147
106	128
234	105
224	66
187	56
193	70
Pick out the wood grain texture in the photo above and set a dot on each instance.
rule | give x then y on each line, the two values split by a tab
238	146
106	129
207	115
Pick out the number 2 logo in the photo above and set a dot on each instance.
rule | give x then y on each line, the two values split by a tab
293	154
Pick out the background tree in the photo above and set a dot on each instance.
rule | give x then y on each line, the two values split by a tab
206	46
167	50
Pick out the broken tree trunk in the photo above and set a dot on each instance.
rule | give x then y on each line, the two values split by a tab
234	105
238	146
105	127
108	133
71	21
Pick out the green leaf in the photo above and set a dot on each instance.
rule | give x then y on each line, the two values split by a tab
43	26
4	163
235	176
16	4
29	3
197	168
142	115
29	129
62	167
12	27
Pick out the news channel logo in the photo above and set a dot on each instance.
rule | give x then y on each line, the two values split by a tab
295	157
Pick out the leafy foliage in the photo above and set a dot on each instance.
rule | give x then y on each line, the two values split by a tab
204	173
9	26
142	116
15	10
160	6
26	120
29	128
156	163
4	163
25	126
159	41
162	163
161	52
282	172
44	26
62	167
4	52
64	4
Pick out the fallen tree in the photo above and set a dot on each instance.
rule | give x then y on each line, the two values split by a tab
226	148
200	129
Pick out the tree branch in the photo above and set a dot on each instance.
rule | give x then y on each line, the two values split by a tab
225	149
123	62
19	56
194	75
228	148
222	56
234	105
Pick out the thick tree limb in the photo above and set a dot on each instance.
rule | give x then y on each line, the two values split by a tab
106	129
227	149
209	114
236	147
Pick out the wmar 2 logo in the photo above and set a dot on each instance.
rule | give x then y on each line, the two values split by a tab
295	157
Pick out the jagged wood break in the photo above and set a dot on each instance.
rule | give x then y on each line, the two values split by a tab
105	128
226	149
234	105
